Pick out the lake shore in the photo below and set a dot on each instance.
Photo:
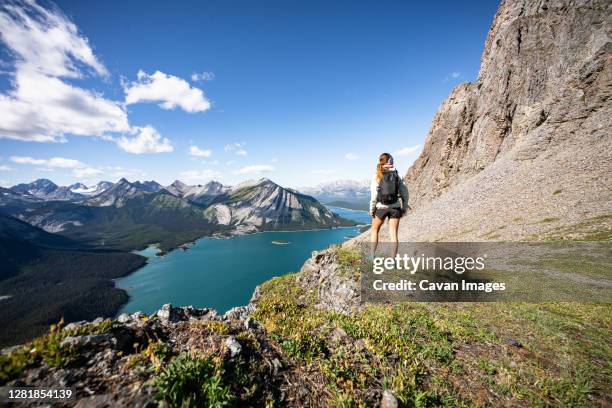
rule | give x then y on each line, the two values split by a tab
222	273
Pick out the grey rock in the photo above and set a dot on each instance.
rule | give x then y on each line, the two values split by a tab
251	324
176	314
165	312
238	313
88	340
256	295
360	345
515	343
276	365
124	318
138	316
74	325
335	291
10	350
338	333
233	346
388	400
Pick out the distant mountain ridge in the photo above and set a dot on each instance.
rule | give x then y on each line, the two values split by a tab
355	193
46	190
130	215
200	194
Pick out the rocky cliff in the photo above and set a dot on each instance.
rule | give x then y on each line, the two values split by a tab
526	149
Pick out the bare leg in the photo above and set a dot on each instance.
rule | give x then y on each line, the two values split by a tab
376	224
393	226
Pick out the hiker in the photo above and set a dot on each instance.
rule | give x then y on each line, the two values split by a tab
386	189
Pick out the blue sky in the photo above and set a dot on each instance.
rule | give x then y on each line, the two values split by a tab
299	92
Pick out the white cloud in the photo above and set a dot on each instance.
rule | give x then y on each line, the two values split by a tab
200	175
237	148
407	151
147	140
196	151
204	76
455	74
52	162
40	106
255	169
170	91
45	41
79	169
4	167
351	156
86	172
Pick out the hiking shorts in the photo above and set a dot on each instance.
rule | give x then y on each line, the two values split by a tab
382	213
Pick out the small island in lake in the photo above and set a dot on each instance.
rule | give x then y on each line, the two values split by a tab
280	242
186	246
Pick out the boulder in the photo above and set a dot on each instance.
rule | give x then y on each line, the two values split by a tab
388	400
233	346
88	340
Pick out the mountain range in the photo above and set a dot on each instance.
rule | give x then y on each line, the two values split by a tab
351	194
128	215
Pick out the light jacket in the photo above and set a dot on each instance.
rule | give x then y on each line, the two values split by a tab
403	191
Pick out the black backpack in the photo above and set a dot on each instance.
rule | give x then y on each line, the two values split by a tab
388	188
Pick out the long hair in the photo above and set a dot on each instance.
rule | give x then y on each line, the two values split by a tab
382	160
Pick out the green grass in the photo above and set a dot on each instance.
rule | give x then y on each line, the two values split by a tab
597	228
191	381
444	354
548	219
48	348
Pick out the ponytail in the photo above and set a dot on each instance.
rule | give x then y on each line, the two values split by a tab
382	160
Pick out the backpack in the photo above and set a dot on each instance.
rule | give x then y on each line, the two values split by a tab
388	188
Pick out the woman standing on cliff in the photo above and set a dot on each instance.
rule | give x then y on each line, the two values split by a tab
386	189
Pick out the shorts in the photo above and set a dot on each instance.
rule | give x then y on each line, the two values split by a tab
383	213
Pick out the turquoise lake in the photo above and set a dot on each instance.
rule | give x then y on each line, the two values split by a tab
222	273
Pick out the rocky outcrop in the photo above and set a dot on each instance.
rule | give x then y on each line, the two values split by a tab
335	289
528	140
115	361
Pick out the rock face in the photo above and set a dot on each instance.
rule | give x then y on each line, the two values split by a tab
46	190
335	290
119	360
262	205
118	194
531	138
